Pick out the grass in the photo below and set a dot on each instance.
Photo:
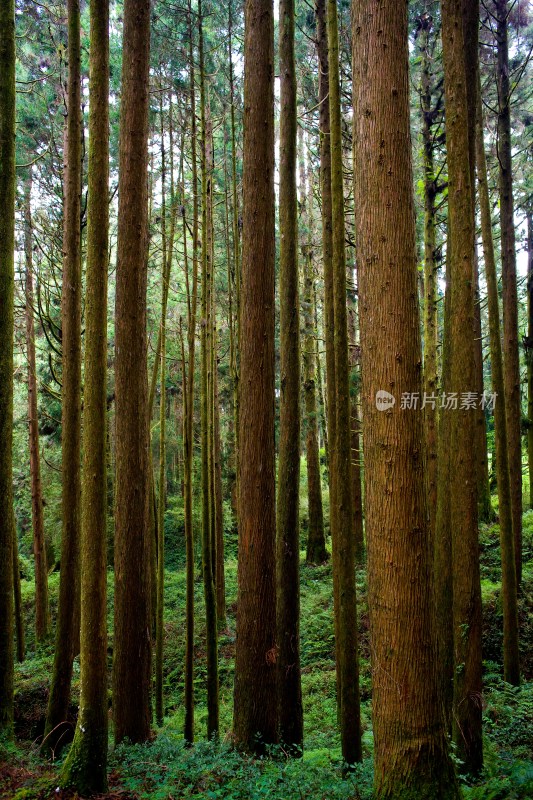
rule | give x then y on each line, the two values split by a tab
165	769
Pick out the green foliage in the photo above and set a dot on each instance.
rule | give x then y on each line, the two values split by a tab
165	768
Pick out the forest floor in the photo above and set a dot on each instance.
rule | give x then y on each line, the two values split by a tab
164	769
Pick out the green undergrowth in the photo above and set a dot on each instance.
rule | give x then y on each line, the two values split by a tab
164	769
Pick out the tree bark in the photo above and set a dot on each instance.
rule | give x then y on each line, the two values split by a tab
42	610
411	757
342	521
511	658
511	357
85	766
255	702
288	499
68	621
459	35
132	655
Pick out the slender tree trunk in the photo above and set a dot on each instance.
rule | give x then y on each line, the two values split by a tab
256	707
288	498
327	257
206	340
411	757
467	705
219	510
316	541
19	620
355	430
511	656
442	551
529	351
85	766
188	398
511	358
132	654
430	270
236	261
68	621
160	598
485	511
42	610
7	250
342	529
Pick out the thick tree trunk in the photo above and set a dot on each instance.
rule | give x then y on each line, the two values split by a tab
511	357
67	632
511	658
132	655
288	499
459	36
342	527
256	707
85	766
42	610
411	757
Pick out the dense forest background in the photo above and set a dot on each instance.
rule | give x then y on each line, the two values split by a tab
209	268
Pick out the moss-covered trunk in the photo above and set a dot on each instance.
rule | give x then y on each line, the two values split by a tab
511	658
85	766
68	621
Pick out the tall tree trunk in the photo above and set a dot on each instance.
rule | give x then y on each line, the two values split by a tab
442	550
288	498
327	258
459	36
511	357
132	655
206	343
342	527
316	540
160	595
511	658
430	269
42	610
188	415
7	250
236	261
256	707
411	757
68	621
85	766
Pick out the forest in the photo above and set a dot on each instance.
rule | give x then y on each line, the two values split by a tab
266	399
